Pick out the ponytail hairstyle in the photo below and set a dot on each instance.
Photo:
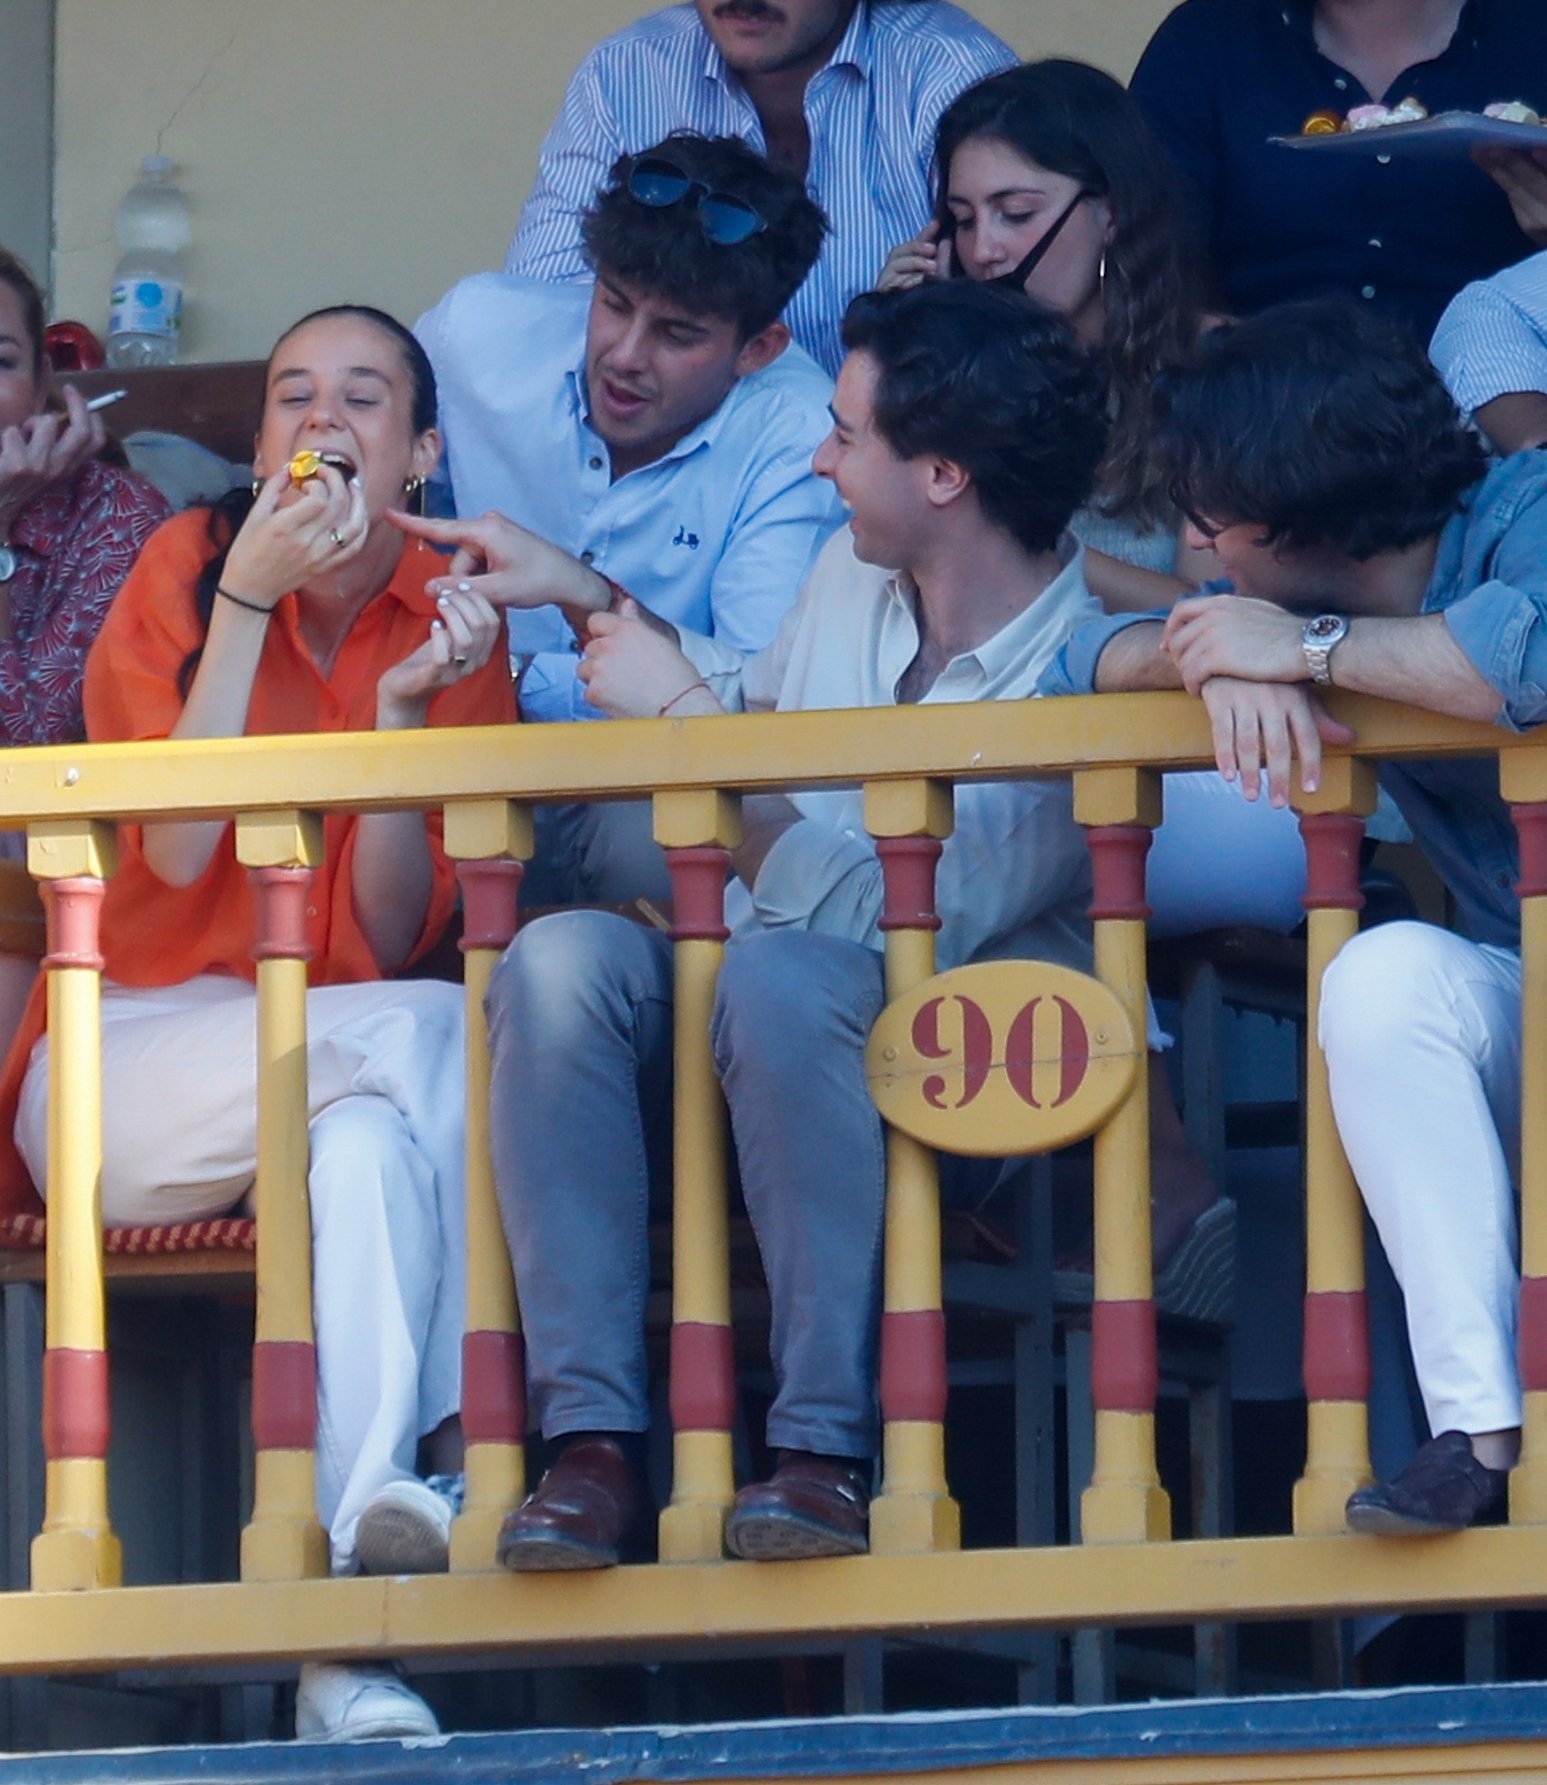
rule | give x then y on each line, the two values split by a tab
227	515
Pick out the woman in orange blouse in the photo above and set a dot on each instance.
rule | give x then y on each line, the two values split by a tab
304	610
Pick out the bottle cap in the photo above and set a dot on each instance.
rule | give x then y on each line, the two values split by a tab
157	166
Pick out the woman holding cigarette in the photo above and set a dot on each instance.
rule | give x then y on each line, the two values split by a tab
70	528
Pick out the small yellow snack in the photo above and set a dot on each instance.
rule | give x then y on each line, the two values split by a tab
1321	124
304	465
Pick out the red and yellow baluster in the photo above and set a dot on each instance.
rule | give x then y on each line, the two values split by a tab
76	1547
1125	1502
283	1540
1337	1343
1524	784
914	1511
698	831
490	841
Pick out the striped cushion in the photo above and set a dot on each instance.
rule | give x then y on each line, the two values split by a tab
24	1232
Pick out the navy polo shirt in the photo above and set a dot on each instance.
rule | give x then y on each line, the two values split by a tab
1222	76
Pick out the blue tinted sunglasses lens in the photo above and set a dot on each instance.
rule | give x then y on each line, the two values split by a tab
727	221
657	183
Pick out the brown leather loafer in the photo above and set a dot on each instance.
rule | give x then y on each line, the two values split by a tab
1442	1488
577	1517
811	1506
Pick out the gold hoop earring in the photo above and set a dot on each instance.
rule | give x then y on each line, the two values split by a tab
412	485
413	494
1101	271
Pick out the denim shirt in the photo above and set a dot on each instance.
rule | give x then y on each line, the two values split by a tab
1490	582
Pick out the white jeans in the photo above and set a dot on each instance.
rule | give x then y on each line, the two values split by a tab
386	1102
1422	1035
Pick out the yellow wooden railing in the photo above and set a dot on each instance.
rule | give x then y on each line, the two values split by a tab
1127	1570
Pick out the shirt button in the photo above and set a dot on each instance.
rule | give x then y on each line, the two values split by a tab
596	464
587	557
1384	160
1376	242
1340	84
1367	291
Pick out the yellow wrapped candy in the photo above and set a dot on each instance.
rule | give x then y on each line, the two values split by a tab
304	465
1321	124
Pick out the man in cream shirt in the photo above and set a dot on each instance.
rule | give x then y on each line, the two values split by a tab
967	427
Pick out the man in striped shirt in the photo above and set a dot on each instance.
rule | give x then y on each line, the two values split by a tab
1491	350
844	92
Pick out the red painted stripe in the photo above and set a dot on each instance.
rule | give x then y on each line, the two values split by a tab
1332	842
1337	1345
1124	1370
284	1395
489	893
703	1377
908	872
280	895
1531	828
1117	855
73	909
75	1404
1533	1334
698	893
493	1388
913	1366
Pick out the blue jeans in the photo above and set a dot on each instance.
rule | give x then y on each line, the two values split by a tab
580	1019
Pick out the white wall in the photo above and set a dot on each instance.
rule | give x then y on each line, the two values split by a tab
366	149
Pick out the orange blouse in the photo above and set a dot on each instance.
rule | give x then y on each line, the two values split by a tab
154	934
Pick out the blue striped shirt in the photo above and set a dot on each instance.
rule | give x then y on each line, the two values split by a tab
871	114
1492	340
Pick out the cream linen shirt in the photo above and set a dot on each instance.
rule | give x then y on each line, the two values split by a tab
1015	877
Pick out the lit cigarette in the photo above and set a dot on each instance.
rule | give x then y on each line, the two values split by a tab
106	400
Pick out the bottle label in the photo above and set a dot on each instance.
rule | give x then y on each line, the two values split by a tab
145	307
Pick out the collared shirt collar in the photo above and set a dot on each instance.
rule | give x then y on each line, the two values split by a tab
852	49
1036	629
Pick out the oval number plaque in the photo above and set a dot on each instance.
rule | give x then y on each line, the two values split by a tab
1003	1057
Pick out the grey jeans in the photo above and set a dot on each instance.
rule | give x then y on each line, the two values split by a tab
580	1019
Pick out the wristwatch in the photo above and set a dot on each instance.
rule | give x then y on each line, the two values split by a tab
7	562
1318	639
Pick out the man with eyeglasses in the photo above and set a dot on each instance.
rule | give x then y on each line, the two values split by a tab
1370	546
657	426
845	93
967	427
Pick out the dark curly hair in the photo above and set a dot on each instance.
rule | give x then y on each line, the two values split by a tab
664	250
228	513
1322	424
1074	120
997	384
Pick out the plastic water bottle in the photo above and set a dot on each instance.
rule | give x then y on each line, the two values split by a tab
147	300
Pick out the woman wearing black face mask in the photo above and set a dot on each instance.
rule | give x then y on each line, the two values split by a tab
1051	182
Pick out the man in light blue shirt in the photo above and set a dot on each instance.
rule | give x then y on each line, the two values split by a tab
1491	350
846	93
1371	548
658	426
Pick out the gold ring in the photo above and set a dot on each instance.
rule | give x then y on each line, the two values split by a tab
460	662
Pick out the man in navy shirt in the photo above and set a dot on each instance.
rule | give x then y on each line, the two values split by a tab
1403	235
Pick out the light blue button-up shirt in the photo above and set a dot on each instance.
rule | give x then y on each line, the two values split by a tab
716	536
871	114
1490	582
1492	340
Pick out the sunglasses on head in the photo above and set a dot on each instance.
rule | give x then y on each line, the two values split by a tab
658	183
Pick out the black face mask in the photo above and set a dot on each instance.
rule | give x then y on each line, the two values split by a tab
1015	279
